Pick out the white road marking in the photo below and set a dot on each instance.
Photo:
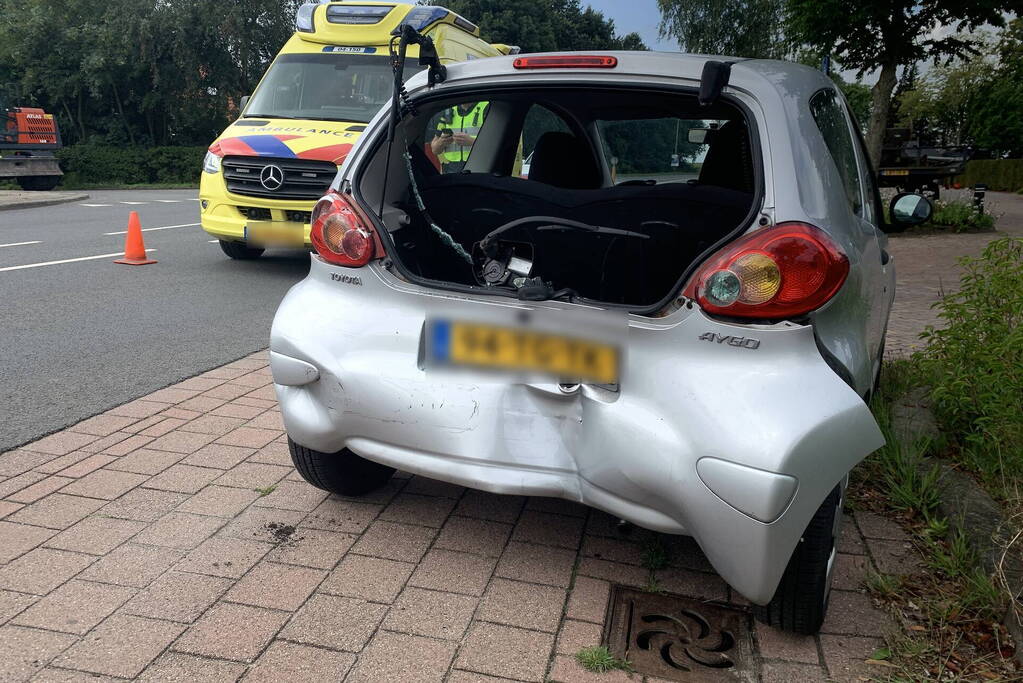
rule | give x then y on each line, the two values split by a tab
18	244
193	199
133	203
163	227
168	201
211	242
67	260
97	204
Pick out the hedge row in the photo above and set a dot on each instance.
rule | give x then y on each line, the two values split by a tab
1004	175
131	166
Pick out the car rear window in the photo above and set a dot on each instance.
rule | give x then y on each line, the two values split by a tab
834	127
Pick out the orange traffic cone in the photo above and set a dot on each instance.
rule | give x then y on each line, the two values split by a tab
134	248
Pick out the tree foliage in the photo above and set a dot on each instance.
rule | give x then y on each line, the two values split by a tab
543	25
744	28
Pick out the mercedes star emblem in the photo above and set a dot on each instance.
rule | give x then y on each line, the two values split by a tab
271	177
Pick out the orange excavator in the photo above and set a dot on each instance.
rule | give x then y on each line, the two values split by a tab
28	140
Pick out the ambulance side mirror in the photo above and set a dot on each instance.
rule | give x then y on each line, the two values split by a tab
242	102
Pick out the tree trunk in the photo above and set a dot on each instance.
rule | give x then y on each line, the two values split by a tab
881	104
120	111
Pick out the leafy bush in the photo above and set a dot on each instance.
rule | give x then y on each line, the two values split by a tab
961	217
99	164
975	364
998	174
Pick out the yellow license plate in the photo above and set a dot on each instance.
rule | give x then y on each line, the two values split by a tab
273	234
505	348
895	172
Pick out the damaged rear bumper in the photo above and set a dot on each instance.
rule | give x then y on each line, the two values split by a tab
732	445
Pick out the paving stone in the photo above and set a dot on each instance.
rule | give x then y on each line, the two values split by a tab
875	526
100	445
422	510
75	607
172	395
469	535
180	530
41	570
253	380
132	565
202	404
56	511
235	409
613	549
313	548
458	676
128	445
103	425
181	414
276	586
446	570
266	393
402	542
28	480
683	552
162	427
786	672
41	489
145	461
895	557
249	437
60	443
90	464
289	495
846	657
105	484
523	604
588	598
692	584
95	535
183	479
274	453
227	631
180	441
224	372
491	506
249	475
219	501
777	644
576	635
849	539
335	622
536	564
177	596
369	578
26	650
215	425
227	391
431	613
853	613
18	539
264	524
8	508
56	675
64	461
271	419
433	487
12	603
506	651
567	670
143	505
218	456
345	516
547	529
615	572
850	571
558	506
199	383
175	667
399	657
228	557
294	663
13	463
122	645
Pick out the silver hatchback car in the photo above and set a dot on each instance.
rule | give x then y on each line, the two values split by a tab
675	315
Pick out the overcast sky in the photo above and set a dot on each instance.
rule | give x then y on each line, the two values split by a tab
641	16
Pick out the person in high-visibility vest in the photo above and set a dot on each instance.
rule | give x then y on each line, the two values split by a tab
456	132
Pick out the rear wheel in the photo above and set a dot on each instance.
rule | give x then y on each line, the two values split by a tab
38	183
344	472
801	600
239	250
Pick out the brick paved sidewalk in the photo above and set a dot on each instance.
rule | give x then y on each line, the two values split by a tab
170	539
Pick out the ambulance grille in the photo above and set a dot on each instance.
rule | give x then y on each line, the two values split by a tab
303	178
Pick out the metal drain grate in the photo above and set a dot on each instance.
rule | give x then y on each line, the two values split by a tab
680	639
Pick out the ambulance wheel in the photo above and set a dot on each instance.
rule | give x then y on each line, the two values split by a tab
239	250
38	183
801	600
343	473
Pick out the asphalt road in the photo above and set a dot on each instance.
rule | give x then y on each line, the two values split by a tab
79	337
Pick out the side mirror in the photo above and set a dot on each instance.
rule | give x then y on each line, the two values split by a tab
698	136
242	102
910	209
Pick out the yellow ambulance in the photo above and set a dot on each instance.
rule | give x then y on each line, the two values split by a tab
262	176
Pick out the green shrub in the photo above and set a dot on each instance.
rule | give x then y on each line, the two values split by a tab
975	364
1004	175
961	217
99	164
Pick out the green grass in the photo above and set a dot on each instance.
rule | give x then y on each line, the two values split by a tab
266	490
600	660
655	555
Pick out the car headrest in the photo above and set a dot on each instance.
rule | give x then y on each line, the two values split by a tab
563	160
729	162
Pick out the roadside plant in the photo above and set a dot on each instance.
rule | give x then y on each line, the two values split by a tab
961	217
600	660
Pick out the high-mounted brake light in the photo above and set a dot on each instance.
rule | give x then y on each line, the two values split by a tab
566	62
340	234
780	272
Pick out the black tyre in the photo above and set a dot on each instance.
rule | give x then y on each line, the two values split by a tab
38	183
239	250
801	601
344	472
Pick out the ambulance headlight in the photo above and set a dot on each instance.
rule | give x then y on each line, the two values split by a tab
211	164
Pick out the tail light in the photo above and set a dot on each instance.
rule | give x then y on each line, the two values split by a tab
780	272
566	62
340	234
